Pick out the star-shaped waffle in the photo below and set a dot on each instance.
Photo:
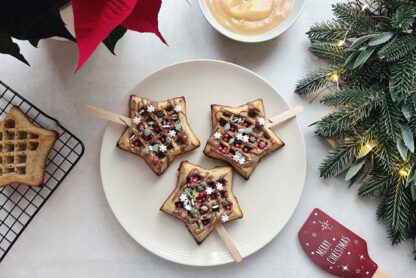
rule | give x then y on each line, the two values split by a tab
240	136
24	149
202	199
160	132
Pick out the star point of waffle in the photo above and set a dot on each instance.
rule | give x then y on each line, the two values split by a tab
161	133
240	136
24	149
202	199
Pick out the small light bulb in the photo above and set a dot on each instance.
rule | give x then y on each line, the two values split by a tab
368	146
364	7
334	77
403	172
341	42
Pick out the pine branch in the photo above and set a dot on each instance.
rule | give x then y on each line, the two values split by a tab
395	210
349	15
402	80
313	81
339	159
376	185
327	31
373	101
398	48
390	117
404	17
387	154
345	118
329	51
351	96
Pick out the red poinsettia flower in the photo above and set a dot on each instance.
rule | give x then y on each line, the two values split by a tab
95	19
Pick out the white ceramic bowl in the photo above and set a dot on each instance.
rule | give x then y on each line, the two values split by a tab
296	11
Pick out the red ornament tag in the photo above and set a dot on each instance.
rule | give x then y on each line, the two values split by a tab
334	248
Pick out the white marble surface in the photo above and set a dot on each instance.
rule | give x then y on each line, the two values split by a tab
76	234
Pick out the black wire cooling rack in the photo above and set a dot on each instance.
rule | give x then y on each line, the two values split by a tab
19	203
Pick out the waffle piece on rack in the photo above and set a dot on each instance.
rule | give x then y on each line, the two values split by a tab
159	133
202	199
24	149
240	136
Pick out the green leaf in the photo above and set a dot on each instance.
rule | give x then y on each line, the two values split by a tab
359	41
353	56
411	175
34	42
363	57
381	38
354	170
112	39
47	26
7	46
408	138
22	18
407	111
413	191
402	149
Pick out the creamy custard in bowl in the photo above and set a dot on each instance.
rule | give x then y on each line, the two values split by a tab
250	17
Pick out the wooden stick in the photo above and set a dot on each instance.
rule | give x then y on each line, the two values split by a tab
107	115
380	274
288	114
110	116
225	236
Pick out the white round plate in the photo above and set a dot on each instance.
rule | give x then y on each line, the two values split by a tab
267	199
296	11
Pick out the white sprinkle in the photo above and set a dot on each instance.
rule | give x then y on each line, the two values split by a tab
224	218
137	120
183	197
209	190
219	186
172	133
242	160
217	135
261	120
239	136
237	156
188	207
162	148
245	138
178	108
150	109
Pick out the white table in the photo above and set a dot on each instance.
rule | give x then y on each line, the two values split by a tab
76	235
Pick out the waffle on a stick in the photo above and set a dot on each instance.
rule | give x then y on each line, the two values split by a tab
202	199
160	132
240	136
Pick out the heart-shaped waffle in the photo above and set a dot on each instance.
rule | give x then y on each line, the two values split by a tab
160	132
240	136
202	199
24	149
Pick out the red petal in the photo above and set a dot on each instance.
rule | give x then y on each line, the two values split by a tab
144	18
94	21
